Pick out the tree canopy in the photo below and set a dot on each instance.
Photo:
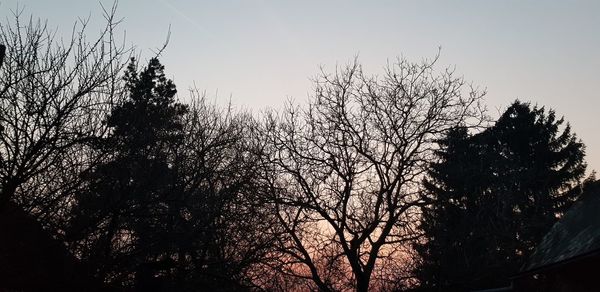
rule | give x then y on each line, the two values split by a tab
346	170
160	210
494	195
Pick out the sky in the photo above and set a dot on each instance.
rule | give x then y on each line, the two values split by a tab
260	53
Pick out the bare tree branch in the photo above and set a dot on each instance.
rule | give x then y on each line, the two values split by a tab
349	167
53	95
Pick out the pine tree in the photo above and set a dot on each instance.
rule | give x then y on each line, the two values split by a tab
494	196
172	206
130	199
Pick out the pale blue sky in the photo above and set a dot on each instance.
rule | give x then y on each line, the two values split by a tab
262	52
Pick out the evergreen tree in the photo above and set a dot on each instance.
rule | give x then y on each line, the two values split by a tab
494	196
172	207
131	199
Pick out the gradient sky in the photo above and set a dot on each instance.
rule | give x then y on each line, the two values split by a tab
261	53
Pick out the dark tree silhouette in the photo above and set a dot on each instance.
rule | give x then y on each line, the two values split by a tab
50	92
347	169
227	225
126	206
494	196
2	54
172	208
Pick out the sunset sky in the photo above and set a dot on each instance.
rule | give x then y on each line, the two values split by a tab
262	53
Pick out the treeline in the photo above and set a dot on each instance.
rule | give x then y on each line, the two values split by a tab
389	182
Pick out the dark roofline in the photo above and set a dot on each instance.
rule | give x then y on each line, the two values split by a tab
556	264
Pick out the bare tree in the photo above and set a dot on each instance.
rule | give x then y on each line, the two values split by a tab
347	170
219	166
53	94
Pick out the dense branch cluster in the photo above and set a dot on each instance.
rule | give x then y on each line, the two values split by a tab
349	167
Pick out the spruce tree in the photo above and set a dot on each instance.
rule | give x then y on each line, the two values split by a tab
130	201
494	195
172	207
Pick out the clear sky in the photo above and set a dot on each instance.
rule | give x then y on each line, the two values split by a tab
260	53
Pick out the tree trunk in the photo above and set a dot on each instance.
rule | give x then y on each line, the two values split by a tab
362	283
6	193
2	52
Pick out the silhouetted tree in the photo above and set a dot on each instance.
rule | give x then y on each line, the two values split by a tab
494	196
50	94
347	170
126	204
224	240
173	207
53	92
